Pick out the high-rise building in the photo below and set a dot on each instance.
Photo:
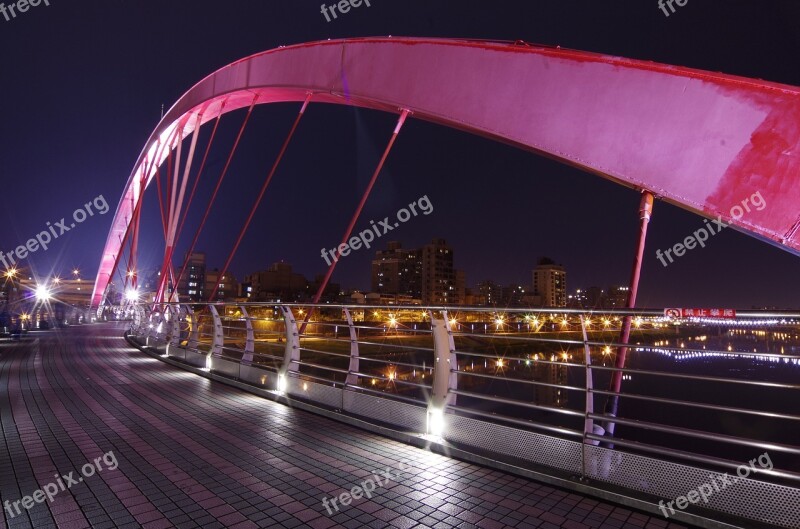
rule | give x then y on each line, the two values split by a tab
397	271
550	283
425	274
438	274
193	282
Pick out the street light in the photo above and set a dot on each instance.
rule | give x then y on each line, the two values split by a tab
42	293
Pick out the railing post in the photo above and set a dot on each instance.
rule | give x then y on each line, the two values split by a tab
148	330
291	354
168	332
193	338
445	379
173	335
138	320
352	377
217	337
158	326
175	328
588	425
250	343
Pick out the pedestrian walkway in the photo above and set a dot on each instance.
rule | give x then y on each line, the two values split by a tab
119	439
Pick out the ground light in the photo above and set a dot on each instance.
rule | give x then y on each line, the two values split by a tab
436	422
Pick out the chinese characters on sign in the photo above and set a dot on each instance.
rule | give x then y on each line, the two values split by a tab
700	313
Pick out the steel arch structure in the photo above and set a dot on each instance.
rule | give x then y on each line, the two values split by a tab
700	140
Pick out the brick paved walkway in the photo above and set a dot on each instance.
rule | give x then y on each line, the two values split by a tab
195	453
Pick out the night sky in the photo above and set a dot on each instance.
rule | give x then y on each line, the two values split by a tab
83	84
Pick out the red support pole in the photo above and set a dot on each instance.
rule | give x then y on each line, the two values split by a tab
175	208
349	230
214	195
158	181
612	403
199	173
128	268
136	211
260	195
160	200
168	198
135	246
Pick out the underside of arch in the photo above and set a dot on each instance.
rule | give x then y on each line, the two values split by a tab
700	140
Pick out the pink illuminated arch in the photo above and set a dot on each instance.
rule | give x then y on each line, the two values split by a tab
703	141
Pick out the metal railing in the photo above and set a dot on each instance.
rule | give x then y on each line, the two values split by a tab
699	396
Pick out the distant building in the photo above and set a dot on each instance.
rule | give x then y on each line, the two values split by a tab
550	283
578	300
595	297
333	292
491	293
278	282
461	287
227	287
514	296
74	292
438	274
192	285
397	271
425	274
617	297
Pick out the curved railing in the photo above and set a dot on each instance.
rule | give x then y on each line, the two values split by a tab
701	398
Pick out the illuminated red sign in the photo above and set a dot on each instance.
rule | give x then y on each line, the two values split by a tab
700	313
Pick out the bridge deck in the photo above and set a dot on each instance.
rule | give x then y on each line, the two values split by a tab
170	449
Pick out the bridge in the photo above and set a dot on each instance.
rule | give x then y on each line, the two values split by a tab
231	414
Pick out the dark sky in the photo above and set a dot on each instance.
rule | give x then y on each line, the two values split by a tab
83	84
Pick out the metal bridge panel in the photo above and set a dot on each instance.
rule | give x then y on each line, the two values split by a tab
530	446
414	418
315	392
747	498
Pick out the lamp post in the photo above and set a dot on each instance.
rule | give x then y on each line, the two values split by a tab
8	286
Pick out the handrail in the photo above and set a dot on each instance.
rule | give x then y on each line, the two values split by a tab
540	385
